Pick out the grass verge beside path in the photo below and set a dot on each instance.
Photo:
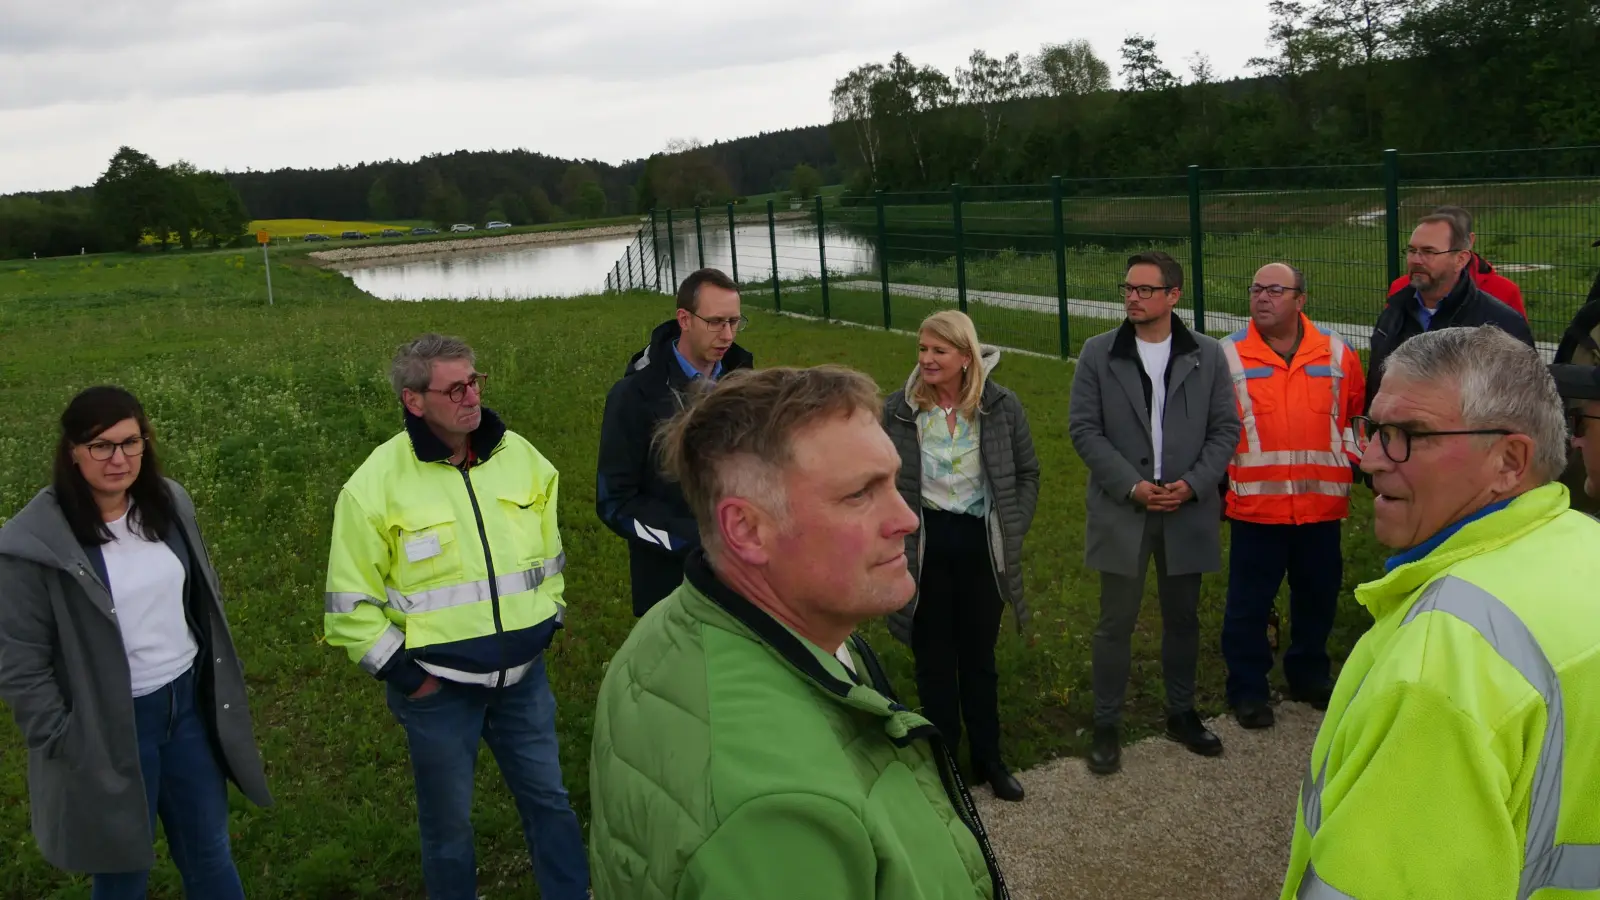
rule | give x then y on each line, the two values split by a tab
262	413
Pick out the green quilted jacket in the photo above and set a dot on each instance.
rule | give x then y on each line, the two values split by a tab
732	759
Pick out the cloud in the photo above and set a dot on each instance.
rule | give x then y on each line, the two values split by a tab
235	84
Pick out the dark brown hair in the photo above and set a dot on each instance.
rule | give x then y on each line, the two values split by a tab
1171	272
689	290
91	412
1458	229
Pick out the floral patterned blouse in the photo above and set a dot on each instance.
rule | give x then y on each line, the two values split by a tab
952	471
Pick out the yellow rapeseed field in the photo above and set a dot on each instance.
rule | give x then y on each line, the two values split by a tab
293	228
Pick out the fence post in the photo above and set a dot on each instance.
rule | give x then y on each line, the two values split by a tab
1197	250
822	258
733	245
772	240
961	248
1059	223
1391	210
627	256
883	256
672	251
655	249
699	240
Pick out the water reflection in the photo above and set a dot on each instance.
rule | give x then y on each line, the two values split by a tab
565	270
507	273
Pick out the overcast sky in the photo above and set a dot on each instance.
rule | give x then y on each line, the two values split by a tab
264	84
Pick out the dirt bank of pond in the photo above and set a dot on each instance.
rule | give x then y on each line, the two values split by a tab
348	254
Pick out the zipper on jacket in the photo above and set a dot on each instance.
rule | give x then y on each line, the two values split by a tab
494	588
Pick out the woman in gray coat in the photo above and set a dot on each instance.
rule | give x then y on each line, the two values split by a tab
117	664
967	466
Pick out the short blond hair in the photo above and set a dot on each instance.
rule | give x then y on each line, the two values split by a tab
956	329
736	439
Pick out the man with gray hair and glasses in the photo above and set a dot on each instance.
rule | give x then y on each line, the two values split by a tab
445	583
1442	294
1459	758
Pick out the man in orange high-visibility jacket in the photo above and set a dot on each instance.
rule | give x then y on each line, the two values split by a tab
1296	385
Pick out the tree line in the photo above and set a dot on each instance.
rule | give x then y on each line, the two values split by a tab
140	203
1341	81
134	201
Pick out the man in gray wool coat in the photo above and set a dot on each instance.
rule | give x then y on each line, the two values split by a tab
1153	418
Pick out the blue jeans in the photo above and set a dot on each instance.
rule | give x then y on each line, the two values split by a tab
1258	558
519	725
184	783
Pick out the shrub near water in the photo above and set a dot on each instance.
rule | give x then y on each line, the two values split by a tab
263	413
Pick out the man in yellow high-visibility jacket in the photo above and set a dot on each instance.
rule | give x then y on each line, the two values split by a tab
1460	757
444	582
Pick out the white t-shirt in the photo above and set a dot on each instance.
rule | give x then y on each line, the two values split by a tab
147	582
1155	356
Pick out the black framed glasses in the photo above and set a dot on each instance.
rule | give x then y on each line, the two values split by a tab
1429	252
1575	420
1275	291
717	323
458	391
1396	439
104	450
1145	291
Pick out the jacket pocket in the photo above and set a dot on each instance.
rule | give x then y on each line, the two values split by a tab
426	549
522	511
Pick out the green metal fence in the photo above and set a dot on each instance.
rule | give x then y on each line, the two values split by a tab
1037	266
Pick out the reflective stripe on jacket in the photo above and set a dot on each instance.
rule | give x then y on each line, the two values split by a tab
1458	758
454	570
1295	450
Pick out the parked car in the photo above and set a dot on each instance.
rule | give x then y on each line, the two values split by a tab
352	236
424	231
392	232
314	237
493	225
463	227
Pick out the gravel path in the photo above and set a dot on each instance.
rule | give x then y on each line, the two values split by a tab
1170	824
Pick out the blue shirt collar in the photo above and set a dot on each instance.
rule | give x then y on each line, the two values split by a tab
1424	314
688	367
1431	544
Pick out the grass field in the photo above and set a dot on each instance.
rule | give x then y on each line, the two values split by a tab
262	413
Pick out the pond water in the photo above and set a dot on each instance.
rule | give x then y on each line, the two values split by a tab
564	270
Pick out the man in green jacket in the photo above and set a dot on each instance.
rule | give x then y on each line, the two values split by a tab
1458	758
746	742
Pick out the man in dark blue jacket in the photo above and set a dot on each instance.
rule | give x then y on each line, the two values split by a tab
1442	294
631	495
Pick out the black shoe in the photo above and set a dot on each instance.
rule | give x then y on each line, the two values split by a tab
1316	698
1254	714
1105	754
1001	781
1186	729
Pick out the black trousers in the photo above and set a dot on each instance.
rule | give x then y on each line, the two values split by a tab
954	632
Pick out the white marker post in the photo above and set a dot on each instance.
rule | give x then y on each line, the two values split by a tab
264	239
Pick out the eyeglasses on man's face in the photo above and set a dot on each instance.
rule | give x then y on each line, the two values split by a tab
104	450
1145	291
1275	291
717	323
1429	252
1396	439
458	392
1575	420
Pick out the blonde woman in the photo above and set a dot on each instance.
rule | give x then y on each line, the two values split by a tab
967	466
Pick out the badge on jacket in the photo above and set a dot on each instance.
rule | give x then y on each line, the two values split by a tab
425	547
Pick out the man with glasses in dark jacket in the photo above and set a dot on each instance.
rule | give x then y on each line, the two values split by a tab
1442	295
631	497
